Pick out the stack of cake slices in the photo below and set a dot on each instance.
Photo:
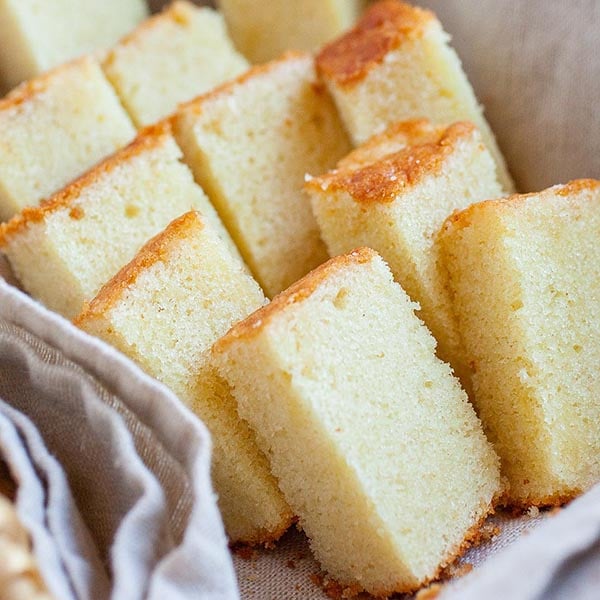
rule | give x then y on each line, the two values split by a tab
319	257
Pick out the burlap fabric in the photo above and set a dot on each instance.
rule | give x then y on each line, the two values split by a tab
113	472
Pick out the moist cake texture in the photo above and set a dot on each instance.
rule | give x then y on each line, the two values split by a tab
66	249
264	30
393	195
164	310
524	275
53	129
395	65
39	35
372	439
171	58
249	144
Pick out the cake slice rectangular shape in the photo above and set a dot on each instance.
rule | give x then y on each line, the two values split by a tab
395	65
249	144
393	194
53	129
65	250
372	439
171	58
164	310
37	36
524	276
264	30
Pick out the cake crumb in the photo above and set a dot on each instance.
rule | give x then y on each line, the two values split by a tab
488	532
244	551
430	593
291	564
533	512
457	570
77	213
333	589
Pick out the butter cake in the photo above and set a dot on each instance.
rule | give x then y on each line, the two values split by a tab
372	439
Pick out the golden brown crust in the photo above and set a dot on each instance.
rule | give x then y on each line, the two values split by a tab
297	292
147	139
155	250
29	89
463	218
382	181
383	27
401	134
196	105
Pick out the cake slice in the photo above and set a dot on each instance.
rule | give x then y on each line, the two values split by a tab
524	274
393	195
373	441
250	143
54	128
164	310
264	30
37	36
395	65
65	250
171	58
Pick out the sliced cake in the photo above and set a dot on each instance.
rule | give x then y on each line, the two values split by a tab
524	274
372	439
164	310
64	250
264	30
171	58
250	143
396	64
393	195
37	36
54	128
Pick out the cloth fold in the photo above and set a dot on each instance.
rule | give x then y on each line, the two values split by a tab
135	460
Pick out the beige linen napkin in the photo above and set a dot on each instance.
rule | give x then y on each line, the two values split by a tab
113	471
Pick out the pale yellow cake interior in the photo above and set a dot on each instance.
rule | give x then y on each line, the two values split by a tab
55	128
171	58
250	144
373	441
524	272
40	34
164	310
263	30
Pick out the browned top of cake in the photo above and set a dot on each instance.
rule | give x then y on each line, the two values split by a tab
29	89
196	105
148	138
463	218
299	291
383	180
396	137
152	252
382	28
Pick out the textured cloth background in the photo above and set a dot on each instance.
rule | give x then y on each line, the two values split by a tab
113	472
